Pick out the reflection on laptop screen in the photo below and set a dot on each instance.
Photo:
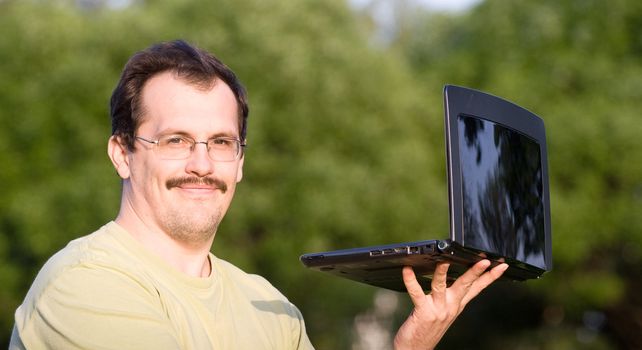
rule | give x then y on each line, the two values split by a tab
502	190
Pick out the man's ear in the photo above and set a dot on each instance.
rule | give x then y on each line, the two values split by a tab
118	154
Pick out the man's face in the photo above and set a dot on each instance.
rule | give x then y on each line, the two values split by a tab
184	198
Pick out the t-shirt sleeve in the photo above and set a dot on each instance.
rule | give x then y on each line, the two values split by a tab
92	308
297	331
303	340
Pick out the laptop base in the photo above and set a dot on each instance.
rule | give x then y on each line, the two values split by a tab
381	266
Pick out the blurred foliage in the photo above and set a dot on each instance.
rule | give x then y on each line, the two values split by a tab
346	145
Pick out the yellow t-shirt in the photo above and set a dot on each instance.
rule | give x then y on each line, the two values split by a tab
106	291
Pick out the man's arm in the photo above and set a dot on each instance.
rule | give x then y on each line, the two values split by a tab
436	311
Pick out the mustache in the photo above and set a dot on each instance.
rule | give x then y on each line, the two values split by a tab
209	181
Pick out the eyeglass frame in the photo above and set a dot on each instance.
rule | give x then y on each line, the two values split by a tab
193	142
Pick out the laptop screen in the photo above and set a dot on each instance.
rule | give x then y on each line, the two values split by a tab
502	190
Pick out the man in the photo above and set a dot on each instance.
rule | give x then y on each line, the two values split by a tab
147	280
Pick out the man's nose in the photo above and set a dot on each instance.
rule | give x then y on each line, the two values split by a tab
199	162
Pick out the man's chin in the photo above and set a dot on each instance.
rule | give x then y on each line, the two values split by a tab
194	232
194	222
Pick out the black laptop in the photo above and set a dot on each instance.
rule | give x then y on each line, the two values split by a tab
498	195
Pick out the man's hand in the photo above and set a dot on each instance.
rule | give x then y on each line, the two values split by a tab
435	312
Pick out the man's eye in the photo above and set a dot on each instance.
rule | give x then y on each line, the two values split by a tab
175	141
221	142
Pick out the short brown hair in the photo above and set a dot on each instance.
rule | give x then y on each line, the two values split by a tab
191	64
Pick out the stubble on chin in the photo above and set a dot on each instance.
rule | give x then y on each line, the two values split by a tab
191	230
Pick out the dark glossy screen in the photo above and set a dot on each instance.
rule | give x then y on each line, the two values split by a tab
502	190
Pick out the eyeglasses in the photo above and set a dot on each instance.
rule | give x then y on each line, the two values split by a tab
222	149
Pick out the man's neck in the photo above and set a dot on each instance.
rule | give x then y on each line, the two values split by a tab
192	260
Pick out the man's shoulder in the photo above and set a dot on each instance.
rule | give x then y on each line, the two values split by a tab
265	298
235	274
80	286
88	267
98	249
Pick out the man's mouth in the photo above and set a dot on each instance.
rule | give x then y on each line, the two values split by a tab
196	183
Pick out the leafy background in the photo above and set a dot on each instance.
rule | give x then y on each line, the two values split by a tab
346	147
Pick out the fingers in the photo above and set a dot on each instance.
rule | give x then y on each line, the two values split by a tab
412	286
438	285
484	281
465	288
473	273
